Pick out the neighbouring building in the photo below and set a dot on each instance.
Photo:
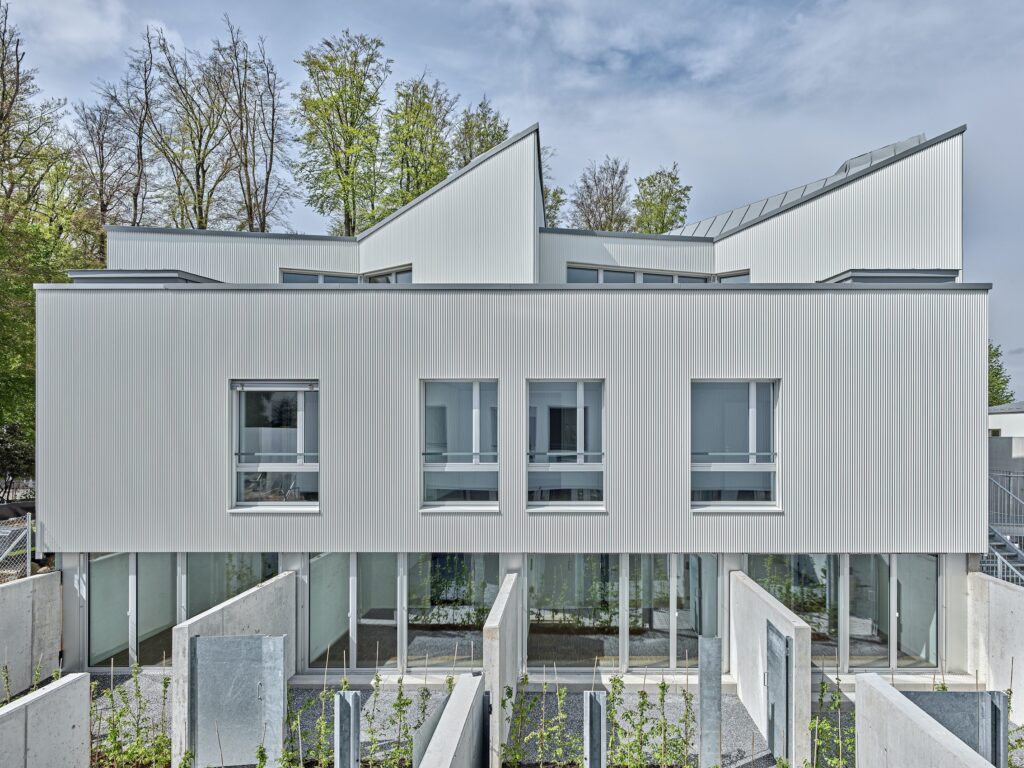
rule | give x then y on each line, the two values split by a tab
795	388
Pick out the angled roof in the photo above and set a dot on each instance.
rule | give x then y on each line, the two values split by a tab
730	222
1017	407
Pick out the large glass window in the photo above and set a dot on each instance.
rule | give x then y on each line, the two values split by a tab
917	581
317	277
277	446
213	577
581	274
398	276
649	607
566	457
574	610
108	609
732	442
809	586
869	611
696	604
460	442
450	595
156	603
329	609
377	610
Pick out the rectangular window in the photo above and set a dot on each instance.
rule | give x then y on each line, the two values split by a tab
108	609
584	274
736	277
396	276
566	458
657	277
460	442
277	444
329	592
732	442
288	276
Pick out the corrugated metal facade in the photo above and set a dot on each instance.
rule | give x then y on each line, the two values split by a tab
480	228
228	257
907	215
881	414
558	249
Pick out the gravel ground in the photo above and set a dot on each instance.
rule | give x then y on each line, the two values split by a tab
150	691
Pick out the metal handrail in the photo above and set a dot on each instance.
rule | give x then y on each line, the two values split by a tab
1004	563
1005	507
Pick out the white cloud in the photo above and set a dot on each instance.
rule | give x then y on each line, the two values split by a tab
72	29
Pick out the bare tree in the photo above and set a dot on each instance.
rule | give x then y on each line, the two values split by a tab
133	97
104	159
257	127
600	199
188	127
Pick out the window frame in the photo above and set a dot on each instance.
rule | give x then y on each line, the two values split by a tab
391	273
300	386
751	464
581	464
476	464
638	274
319	276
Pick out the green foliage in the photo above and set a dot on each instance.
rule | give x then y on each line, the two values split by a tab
999	392
477	130
832	744
517	711
338	110
660	201
127	734
600	197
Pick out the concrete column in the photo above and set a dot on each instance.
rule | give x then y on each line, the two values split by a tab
299	563
74	569
727	564
710	665
346	729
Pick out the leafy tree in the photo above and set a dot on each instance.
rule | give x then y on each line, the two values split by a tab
418	128
600	199
554	197
257	128
338	117
17	458
999	392
660	201
477	130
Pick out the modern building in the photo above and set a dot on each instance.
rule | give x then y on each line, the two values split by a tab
1006	420
795	388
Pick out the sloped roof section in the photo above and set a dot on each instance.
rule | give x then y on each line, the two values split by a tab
1017	407
730	222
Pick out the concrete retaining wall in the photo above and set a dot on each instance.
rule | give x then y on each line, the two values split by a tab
30	627
266	609
995	614
893	731
460	739
750	610
48	727
503	655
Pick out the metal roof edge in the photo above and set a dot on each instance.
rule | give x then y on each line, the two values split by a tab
226	233
636	235
536	287
476	162
846	180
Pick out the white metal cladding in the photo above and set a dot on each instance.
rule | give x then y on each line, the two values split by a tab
906	215
881	413
558	249
479	228
228	257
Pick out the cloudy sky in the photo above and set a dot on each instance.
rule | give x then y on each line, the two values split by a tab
750	98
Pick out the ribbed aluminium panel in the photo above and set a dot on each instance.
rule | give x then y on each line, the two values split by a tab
908	215
480	228
559	249
881	414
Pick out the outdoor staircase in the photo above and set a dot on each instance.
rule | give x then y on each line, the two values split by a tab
1004	559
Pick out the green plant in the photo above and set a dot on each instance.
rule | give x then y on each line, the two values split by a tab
372	729
517	710
832	744
127	735
400	753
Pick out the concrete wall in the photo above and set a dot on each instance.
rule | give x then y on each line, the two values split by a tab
48	727
266	609
30	628
893	731
995	611
750	609
503	654
459	741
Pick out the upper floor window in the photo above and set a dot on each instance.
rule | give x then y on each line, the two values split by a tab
601	275
732	441
460	442
290	276
566	458
395	276
735	277
277	443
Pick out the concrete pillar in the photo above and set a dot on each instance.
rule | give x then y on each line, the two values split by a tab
710	665
346	729
595	729
74	577
728	564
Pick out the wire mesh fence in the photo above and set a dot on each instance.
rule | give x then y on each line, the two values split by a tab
15	548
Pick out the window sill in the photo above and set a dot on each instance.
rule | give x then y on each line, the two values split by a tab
458	509
737	509
271	510
565	509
